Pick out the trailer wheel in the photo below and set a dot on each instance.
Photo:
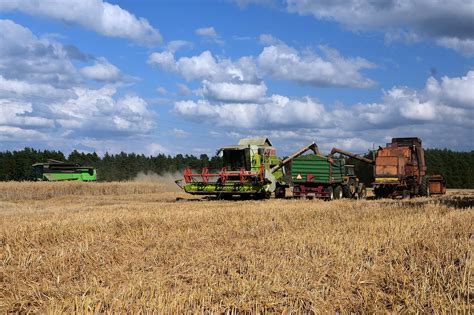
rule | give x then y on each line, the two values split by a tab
425	186
329	191
338	192
361	191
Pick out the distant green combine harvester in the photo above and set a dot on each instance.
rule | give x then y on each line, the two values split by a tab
60	171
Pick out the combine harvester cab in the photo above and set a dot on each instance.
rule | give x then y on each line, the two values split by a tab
61	171
251	170
317	176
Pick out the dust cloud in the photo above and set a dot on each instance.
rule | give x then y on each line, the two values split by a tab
167	179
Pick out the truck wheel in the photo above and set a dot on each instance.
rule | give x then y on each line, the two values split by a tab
330	191
361	191
338	192
425	187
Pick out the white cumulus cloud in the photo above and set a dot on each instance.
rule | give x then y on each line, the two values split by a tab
277	111
464	46
285	63
234	92
96	15
450	24
206	66
102	70
98	110
206	31
445	105
278	61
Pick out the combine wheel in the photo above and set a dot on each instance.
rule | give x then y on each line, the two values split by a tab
425	187
263	195
224	197
338	192
280	192
330	191
380	193
405	194
361	191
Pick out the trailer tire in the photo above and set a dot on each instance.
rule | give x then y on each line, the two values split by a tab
338	192
330	191
425	187
361	191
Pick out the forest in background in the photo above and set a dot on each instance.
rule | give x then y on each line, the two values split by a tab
456	167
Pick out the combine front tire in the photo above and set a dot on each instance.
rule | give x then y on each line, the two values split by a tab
280	192
405	194
425	187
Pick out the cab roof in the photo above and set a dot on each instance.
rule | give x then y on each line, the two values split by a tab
246	142
255	141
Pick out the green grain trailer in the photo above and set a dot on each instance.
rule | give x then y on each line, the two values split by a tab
317	176
60	171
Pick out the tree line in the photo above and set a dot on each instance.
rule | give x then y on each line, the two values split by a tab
456	167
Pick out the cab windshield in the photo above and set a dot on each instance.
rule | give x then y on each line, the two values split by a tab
236	159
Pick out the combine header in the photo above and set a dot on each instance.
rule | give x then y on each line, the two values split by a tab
251	170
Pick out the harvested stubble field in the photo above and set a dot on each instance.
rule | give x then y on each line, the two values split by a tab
130	247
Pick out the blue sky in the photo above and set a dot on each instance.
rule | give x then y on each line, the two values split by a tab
189	76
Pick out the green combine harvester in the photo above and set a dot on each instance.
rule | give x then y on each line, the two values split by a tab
61	171
251	170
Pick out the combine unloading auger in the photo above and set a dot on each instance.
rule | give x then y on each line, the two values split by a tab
352	155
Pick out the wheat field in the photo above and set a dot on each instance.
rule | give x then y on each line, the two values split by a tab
131	247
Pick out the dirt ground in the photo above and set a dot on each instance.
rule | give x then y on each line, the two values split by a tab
132	247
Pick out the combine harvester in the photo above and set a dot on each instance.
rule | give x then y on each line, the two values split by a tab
400	170
251	170
61	171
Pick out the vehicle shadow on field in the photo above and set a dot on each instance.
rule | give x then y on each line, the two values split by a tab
456	202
